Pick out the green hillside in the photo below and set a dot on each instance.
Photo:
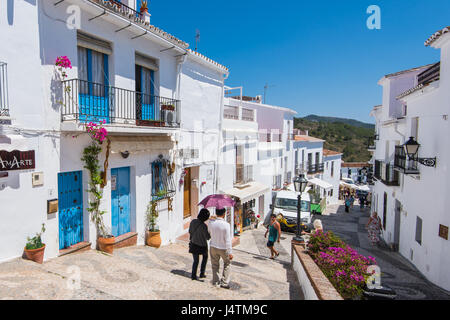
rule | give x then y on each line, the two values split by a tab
352	122
340	136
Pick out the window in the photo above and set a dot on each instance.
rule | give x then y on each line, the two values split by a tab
261	205
419	230
317	157
92	67
332	168
93	90
163	185
145	90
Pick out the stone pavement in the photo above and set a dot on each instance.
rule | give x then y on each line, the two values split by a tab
142	272
397	272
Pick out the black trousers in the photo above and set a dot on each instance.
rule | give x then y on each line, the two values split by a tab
195	264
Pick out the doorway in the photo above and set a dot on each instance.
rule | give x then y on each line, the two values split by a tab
398	210
70	207
120	201
187	194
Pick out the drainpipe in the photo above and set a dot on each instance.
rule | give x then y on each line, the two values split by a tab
219	140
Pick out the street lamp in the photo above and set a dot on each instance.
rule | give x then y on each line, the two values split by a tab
300	185
412	147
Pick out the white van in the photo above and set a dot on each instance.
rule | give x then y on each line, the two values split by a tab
285	208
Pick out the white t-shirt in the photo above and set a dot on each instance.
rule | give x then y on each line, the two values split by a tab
220	234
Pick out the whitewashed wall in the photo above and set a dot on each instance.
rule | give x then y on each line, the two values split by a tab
423	195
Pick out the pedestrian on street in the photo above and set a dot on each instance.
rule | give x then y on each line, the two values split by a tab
220	248
347	204
362	200
373	227
274	231
352	200
198	245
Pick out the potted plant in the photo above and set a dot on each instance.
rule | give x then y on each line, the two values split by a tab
144	7
169	107
152	235
34	249
161	194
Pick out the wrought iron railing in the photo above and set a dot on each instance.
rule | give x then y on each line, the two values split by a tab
315	168
121	8
244	173
231	112
86	101
248	114
402	162
4	102
389	176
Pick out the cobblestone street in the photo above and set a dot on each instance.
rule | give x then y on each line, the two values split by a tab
147	273
397	272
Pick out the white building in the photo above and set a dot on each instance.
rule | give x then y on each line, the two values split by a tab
410	195
256	156
156	96
331	174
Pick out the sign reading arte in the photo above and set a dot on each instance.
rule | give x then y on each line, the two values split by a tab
16	160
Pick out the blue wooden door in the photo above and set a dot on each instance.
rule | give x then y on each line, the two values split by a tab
70	206
120	200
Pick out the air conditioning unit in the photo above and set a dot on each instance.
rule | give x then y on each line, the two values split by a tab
184	153
169	117
194	153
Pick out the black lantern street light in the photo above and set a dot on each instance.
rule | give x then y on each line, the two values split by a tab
300	185
411	149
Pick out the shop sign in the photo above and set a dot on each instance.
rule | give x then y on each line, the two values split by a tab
16	160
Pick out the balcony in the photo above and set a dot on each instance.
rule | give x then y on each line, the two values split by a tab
244	174
270	137
4	103
386	173
315	168
239	113
429	75
402	162
87	101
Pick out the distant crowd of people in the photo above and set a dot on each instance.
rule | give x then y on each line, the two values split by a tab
349	196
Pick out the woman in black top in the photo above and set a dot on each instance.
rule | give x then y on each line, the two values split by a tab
199	236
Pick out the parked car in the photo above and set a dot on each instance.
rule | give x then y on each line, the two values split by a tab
285	208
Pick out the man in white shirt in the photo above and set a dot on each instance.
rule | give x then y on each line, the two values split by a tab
220	247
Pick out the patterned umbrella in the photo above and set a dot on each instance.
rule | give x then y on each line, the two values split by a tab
218	201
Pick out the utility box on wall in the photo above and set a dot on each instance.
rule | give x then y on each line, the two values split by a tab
37	179
52	206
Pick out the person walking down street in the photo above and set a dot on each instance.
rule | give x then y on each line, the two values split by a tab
347	204
374	228
362	200
274	231
352	201
199	236
220	248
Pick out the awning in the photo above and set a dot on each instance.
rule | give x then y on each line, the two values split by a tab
323	184
134	144
251	191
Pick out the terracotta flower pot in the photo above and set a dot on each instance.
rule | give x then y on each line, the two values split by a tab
153	239
36	255
106	244
168	107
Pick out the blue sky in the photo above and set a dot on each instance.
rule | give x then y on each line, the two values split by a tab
318	56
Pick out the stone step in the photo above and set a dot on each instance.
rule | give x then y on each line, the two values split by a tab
78	247
125	240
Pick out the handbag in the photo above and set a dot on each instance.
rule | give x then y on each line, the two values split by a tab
191	245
